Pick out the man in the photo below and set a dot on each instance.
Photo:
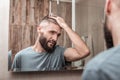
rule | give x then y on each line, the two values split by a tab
106	66
45	54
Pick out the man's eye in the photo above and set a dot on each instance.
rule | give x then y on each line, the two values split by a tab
59	35
52	32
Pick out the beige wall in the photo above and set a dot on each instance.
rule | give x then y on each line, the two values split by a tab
89	16
4	74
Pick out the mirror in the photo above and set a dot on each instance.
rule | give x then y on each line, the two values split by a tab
84	17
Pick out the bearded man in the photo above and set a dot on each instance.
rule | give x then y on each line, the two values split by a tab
45	54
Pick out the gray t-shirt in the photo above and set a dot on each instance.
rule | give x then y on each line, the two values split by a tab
29	60
105	66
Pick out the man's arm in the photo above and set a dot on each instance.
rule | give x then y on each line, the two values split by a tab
80	49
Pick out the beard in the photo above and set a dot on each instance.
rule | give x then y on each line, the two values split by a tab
108	36
46	44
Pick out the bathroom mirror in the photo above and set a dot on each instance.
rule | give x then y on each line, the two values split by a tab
83	16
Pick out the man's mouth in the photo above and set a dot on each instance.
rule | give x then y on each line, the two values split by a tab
52	43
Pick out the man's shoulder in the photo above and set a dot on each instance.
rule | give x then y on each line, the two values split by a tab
59	48
58	51
102	58
23	51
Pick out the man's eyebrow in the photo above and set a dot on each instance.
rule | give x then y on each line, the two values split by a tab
57	33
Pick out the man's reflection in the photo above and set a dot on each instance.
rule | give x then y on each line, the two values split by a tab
45	54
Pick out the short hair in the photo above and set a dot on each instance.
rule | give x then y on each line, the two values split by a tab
46	20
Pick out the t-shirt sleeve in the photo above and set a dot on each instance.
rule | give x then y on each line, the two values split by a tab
62	56
16	63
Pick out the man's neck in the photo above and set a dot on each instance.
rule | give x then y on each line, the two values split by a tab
37	47
116	36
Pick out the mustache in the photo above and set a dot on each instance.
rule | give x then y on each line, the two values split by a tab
52	41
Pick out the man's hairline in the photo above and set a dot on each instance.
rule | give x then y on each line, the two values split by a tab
47	22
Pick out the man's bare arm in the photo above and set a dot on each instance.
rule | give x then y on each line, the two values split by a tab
80	49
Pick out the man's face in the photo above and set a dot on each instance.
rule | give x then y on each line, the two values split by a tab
49	37
107	35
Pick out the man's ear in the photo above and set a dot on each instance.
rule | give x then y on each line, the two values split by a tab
38	28
108	6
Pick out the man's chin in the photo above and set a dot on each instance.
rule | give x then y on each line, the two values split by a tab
51	46
50	49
